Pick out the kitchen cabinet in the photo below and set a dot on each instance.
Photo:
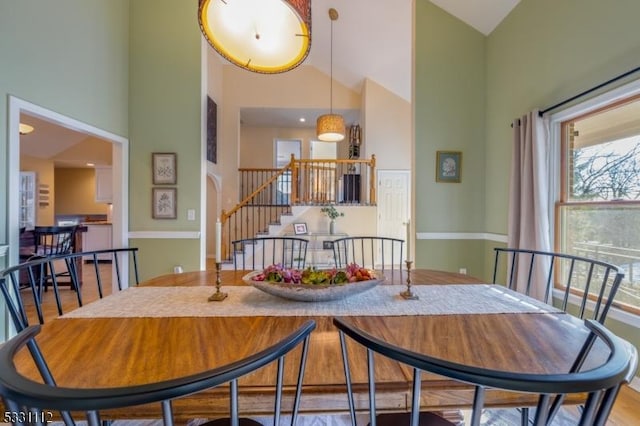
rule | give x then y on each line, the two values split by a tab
104	185
97	237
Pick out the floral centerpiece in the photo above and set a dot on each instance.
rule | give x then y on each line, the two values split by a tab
309	276
313	285
332	213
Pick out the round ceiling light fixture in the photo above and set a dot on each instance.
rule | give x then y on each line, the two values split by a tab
264	36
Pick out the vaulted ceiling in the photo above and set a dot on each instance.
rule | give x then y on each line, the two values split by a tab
372	38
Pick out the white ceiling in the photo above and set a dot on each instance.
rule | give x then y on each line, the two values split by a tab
483	15
65	147
371	38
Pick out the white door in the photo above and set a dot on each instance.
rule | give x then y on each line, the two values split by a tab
393	205
284	150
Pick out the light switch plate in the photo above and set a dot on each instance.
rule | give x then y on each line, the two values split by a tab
191	214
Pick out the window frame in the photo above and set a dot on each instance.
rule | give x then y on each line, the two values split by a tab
559	162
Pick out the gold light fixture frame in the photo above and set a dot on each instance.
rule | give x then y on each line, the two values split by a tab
330	127
263	36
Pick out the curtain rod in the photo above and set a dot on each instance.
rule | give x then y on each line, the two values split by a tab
590	90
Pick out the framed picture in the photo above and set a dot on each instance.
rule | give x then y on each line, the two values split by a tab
164	168
164	203
448	166
299	228
212	132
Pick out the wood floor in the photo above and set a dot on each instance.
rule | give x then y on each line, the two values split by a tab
625	412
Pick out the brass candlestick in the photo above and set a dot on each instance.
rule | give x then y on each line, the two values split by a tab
218	296
408	294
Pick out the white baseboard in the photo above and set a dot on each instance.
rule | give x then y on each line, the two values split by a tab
635	384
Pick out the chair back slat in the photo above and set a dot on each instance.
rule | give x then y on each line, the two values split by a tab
54	240
258	253
381	253
588	284
26	281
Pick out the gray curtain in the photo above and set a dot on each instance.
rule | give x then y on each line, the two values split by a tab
529	226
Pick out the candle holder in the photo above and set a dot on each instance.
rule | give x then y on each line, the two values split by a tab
408	294
218	296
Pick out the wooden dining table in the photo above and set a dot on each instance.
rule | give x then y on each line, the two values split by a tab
108	351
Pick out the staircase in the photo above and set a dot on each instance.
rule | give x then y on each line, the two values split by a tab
272	199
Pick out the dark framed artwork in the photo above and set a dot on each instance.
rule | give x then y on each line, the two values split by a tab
212	130
164	203
448	166
164	168
299	228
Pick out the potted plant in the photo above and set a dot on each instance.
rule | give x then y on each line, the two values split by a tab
332	214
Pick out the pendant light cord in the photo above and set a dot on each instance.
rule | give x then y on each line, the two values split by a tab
331	71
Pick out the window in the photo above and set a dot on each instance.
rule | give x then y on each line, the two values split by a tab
598	213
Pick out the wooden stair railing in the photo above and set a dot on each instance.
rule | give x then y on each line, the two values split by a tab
238	223
319	182
271	192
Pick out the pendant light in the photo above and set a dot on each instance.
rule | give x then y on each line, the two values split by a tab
264	36
330	127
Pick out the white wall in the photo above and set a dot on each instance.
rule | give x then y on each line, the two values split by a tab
386	127
303	87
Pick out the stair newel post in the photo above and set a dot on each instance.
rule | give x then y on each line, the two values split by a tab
372	180
294	180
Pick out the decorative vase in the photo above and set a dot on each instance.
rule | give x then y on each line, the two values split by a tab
332	227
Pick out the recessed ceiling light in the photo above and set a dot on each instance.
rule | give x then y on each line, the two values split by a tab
25	129
90	164
302	119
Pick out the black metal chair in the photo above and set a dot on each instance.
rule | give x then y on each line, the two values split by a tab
54	240
601	383
50	241
43	268
381	253
589	285
35	399
258	253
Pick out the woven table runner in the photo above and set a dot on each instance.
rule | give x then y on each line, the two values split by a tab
383	300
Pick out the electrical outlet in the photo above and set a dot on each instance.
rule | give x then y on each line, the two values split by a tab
191	214
463	271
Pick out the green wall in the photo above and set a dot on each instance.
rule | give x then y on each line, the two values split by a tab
69	56
449	115
158	257
132	68
469	88
164	114
546	51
